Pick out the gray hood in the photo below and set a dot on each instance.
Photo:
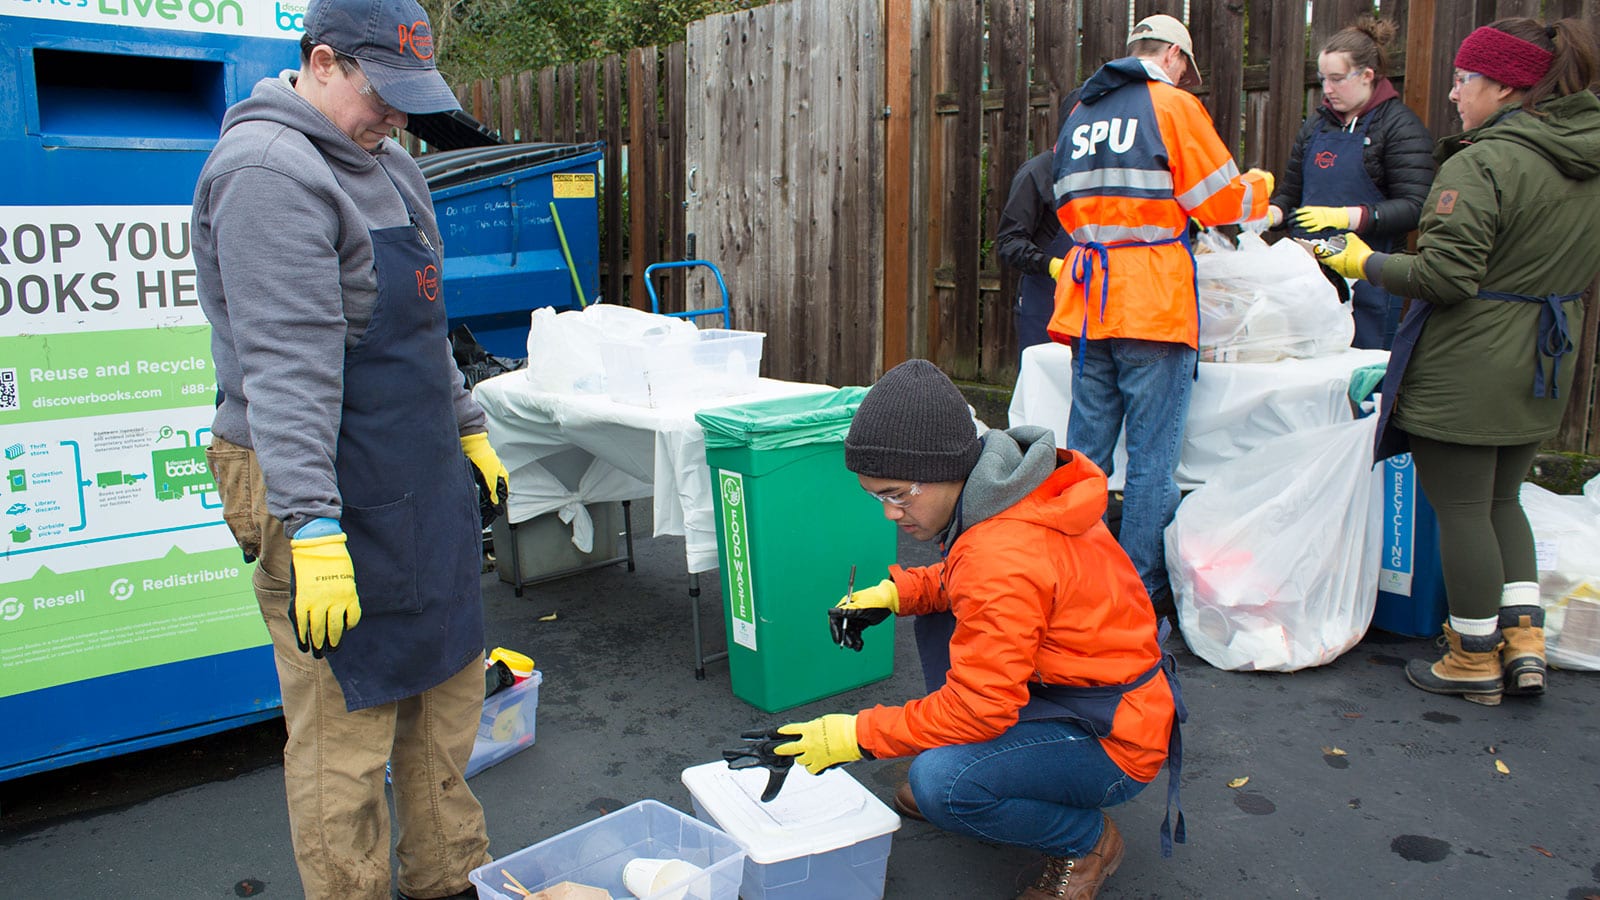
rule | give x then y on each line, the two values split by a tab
1013	463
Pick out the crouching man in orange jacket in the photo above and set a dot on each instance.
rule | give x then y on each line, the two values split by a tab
1057	700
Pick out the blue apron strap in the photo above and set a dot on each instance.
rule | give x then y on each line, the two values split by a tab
1554	340
1083	267
1169	834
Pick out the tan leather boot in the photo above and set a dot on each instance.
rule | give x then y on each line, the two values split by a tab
1079	877
1522	623
905	803
1470	667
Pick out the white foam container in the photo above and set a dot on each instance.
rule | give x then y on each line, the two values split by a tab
823	836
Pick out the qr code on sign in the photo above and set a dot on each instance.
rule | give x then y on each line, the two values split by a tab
8	389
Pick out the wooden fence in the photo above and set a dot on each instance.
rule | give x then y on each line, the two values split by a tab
963	92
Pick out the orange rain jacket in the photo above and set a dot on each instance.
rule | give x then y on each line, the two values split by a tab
1040	592
1136	159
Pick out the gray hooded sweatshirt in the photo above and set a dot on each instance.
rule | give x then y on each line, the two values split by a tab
283	255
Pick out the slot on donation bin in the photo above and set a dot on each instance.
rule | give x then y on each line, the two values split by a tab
127	97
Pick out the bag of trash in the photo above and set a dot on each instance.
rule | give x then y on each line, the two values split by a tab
564	349
1274	560
1566	532
1261	303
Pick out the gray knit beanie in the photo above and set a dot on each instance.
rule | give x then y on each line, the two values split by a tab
913	425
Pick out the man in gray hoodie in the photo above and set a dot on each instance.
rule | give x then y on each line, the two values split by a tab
343	449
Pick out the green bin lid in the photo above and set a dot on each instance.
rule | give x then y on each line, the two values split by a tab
782	421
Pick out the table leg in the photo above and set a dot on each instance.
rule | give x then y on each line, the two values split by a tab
700	657
516	559
627	529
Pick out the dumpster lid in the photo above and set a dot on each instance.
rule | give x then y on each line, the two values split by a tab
454	167
451	130
782	421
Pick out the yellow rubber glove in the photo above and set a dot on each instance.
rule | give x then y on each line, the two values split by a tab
1265	176
821	743
495	476
1350	261
325	604
1322	218
864	608
1055	267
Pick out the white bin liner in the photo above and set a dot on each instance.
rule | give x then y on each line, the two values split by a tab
1274	561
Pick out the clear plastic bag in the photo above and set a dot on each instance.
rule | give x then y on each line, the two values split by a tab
1566	531
1261	303
564	348
1274	561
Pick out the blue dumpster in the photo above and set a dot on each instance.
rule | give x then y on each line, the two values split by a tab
504	211
126	614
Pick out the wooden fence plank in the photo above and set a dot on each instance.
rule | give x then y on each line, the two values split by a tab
643	197
1285	108
566	101
960	314
508	108
1105	34
1219	28
1055	63
547	105
1008	150
615	186
941	131
588	87
897	244
526	128
677	247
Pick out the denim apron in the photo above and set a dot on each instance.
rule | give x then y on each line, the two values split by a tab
1332	174
1553	342
1036	298
409	504
1095	709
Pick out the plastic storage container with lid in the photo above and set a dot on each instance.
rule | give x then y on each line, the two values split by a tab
822	836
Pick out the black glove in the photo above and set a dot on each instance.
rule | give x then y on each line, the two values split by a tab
758	750
845	624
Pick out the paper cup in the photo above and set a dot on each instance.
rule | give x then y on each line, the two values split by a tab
644	876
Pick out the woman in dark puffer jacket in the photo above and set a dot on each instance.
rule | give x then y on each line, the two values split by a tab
1363	162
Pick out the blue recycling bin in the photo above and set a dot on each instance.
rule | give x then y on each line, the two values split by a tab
1411	595
521	227
126	615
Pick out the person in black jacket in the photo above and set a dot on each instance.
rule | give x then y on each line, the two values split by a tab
1030	240
1363	162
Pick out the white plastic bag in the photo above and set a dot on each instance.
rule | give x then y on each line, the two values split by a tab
564	348
1261	303
1274	561
1566	531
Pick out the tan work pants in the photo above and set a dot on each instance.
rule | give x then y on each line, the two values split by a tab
333	763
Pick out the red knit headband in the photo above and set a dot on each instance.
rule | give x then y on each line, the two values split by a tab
1506	58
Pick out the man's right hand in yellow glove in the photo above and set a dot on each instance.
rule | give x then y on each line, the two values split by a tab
324	602
864	608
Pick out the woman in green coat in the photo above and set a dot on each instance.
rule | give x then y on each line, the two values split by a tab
1482	366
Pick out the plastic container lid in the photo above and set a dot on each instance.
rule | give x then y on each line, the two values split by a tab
813	813
519	664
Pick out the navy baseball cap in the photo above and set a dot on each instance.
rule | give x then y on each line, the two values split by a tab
394	44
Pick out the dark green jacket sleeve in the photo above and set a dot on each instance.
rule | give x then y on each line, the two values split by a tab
1459	223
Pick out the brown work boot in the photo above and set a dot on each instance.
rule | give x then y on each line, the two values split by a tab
905	803
1079	877
1522	623
1470	667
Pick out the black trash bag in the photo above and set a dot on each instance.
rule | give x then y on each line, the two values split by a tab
477	364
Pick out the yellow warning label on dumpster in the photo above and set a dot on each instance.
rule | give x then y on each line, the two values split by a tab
572	186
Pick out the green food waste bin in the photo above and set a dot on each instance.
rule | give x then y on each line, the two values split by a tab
791	521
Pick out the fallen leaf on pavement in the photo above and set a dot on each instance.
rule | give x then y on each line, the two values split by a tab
549	618
1239	782
1501	768
1545	852
1333	751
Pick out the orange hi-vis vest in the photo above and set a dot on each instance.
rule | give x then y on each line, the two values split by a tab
1135	160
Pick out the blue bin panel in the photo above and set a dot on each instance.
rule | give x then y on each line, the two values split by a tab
1411	597
503	256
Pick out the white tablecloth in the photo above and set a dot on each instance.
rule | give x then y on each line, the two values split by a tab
1235	407
630	452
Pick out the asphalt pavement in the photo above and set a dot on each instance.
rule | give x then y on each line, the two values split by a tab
1335	782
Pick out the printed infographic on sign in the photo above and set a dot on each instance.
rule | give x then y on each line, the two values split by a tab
113	555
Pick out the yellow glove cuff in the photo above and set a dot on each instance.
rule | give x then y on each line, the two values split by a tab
1055	267
475	443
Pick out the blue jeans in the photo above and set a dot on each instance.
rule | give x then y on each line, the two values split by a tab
1145	387
1039	785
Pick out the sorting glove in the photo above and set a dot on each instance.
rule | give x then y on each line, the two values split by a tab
1323	218
1265	176
495	476
324	604
1056	263
1349	261
758	751
864	608
1274	217
822	743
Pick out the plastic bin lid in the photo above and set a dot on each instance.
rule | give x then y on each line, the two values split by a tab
782	421
812	814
